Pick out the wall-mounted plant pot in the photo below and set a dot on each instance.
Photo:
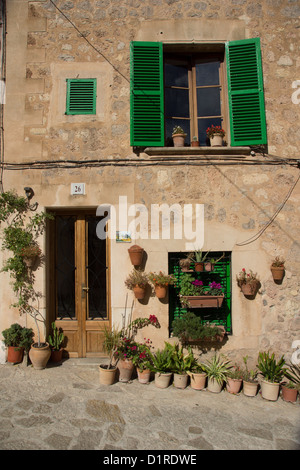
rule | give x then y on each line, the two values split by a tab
204	301
249	289
136	254
160	291
277	273
139	292
208	266
199	267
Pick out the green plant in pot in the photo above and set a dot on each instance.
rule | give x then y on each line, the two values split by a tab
56	340
20	236
217	370
17	339
143	361
199	259
137	281
112	337
250	382
181	363
190	328
291	388
273	371
161	365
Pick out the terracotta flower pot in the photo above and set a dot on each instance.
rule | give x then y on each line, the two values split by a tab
214	386
107	376
277	272
233	385
15	354
143	376
249	288
216	141
162	379
125	367
180	380
250	388
269	390
160	291
204	301
136	254
198	380
39	356
199	267
139	292
178	140
289	394
195	143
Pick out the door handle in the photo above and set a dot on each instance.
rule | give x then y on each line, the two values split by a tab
86	289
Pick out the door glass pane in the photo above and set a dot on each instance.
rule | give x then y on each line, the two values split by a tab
177	102
96	272
176	73
65	267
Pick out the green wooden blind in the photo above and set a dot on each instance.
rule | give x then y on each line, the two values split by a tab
221	273
146	94
81	96
245	90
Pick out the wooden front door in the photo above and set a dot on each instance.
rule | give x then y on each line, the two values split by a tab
79	282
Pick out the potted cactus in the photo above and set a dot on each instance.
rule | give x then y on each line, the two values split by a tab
56	340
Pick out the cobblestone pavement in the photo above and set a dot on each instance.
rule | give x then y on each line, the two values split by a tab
65	408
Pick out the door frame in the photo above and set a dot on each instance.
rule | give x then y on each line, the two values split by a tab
76	325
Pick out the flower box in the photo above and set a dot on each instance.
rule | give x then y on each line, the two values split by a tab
204	301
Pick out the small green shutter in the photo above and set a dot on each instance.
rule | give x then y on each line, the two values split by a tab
146	94
81	96
245	89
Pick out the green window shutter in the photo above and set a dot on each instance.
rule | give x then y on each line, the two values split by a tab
146	94
81	96
245	89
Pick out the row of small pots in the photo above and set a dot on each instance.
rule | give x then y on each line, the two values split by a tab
270	391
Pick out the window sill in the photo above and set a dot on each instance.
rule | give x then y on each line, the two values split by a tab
194	151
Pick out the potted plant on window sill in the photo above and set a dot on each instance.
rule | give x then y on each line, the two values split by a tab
137	281
215	134
277	269
178	136
195	142
273	372
193	293
248	282
160	282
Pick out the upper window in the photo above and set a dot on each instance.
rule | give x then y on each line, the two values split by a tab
81	96
193	88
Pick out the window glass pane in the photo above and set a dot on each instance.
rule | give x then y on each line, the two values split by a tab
177	102
203	124
208	102
207	73
176	73
171	123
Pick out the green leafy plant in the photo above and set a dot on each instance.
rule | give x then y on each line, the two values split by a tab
218	368
293	374
236	373
20	234
161	360
18	336
181	362
199	257
278	262
57	337
111	341
271	369
249	375
191	327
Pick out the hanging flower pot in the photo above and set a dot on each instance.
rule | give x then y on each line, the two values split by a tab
139	292
160	291
136	254
248	289
277	273
203	301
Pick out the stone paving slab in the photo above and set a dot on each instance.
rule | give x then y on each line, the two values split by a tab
65	408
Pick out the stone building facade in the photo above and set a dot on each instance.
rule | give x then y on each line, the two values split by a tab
249	193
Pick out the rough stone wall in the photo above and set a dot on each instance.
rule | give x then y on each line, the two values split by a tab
239	199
